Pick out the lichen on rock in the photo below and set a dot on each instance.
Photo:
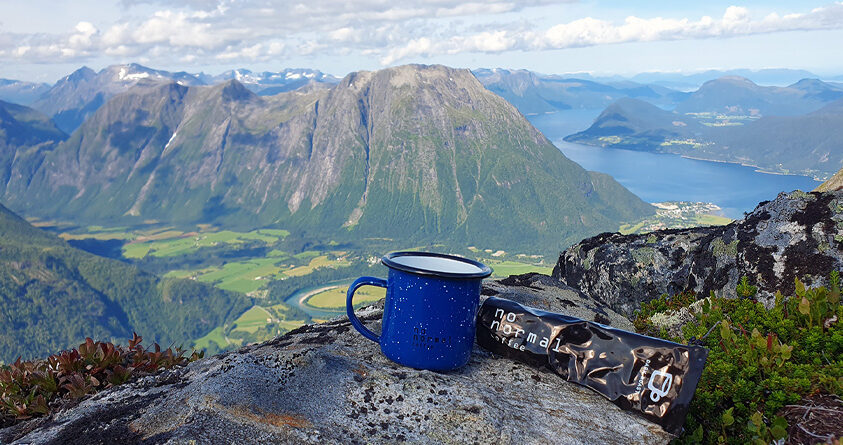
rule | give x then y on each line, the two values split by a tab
798	235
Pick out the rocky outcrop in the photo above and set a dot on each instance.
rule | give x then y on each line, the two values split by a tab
327	384
796	235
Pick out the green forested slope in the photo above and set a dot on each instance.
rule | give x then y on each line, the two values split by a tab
52	296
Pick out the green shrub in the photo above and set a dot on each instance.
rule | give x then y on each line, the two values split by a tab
760	359
33	388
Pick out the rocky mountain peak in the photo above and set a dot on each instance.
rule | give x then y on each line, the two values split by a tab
234	91
83	73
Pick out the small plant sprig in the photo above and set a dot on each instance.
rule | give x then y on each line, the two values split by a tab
818	305
746	290
760	360
31	388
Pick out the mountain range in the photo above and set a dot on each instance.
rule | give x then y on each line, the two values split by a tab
410	153
691	81
734	95
796	129
534	93
53	296
21	92
25	135
270	83
78	95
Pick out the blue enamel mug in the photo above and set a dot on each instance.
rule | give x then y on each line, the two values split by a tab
430	309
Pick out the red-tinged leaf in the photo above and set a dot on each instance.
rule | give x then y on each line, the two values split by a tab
135	340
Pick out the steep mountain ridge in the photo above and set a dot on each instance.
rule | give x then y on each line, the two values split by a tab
534	93
21	92
77	96
412	152
54	295
25	134
22	126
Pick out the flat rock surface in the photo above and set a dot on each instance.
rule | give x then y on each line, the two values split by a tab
328	384
798	235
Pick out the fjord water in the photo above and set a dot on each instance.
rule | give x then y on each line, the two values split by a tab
657	177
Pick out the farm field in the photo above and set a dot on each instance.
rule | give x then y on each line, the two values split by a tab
504	269
252	320
335	296
173	242
249	276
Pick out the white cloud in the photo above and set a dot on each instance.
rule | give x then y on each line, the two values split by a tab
488	42
416	47
178	29
473	8
589	31
344	34
243	31
83	36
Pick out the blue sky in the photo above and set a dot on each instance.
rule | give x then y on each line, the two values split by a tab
43	40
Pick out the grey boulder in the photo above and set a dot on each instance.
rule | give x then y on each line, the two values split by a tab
327	384
798	235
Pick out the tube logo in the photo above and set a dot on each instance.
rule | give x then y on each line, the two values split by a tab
656	394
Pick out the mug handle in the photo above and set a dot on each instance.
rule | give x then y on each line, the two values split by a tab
349	306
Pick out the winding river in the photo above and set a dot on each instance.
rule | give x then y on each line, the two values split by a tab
298	298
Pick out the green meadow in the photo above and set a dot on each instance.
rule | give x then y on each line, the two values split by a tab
334	297
252	320
216	336
248	276
173	243
503	269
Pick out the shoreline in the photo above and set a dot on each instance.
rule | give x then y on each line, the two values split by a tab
756	168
